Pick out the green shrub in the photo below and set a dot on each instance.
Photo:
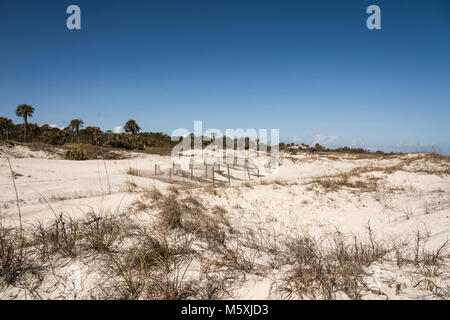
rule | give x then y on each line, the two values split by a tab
75	155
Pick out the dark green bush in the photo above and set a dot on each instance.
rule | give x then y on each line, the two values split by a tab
75	155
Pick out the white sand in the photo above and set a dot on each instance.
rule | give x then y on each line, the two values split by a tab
404	202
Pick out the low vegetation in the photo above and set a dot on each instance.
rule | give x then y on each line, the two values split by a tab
75	155
182	247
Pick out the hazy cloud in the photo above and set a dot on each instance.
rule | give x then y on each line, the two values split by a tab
324	140
54	125
118	129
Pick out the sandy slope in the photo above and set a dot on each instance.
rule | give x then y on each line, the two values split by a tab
404	200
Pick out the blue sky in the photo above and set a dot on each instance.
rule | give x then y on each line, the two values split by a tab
310	68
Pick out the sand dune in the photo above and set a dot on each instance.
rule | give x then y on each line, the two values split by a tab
394	196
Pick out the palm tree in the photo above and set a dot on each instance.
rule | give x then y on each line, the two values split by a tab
93	131
25	111
64	133
76	124
132	126
34	131
5	123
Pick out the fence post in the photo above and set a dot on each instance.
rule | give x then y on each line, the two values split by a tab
229	179
155	169
206	170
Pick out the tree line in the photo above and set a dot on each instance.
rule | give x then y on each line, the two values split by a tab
77	132
132	139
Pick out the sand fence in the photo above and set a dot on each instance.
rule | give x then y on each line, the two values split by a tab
214	170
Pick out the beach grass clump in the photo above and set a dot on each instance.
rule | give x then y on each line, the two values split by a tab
75	155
